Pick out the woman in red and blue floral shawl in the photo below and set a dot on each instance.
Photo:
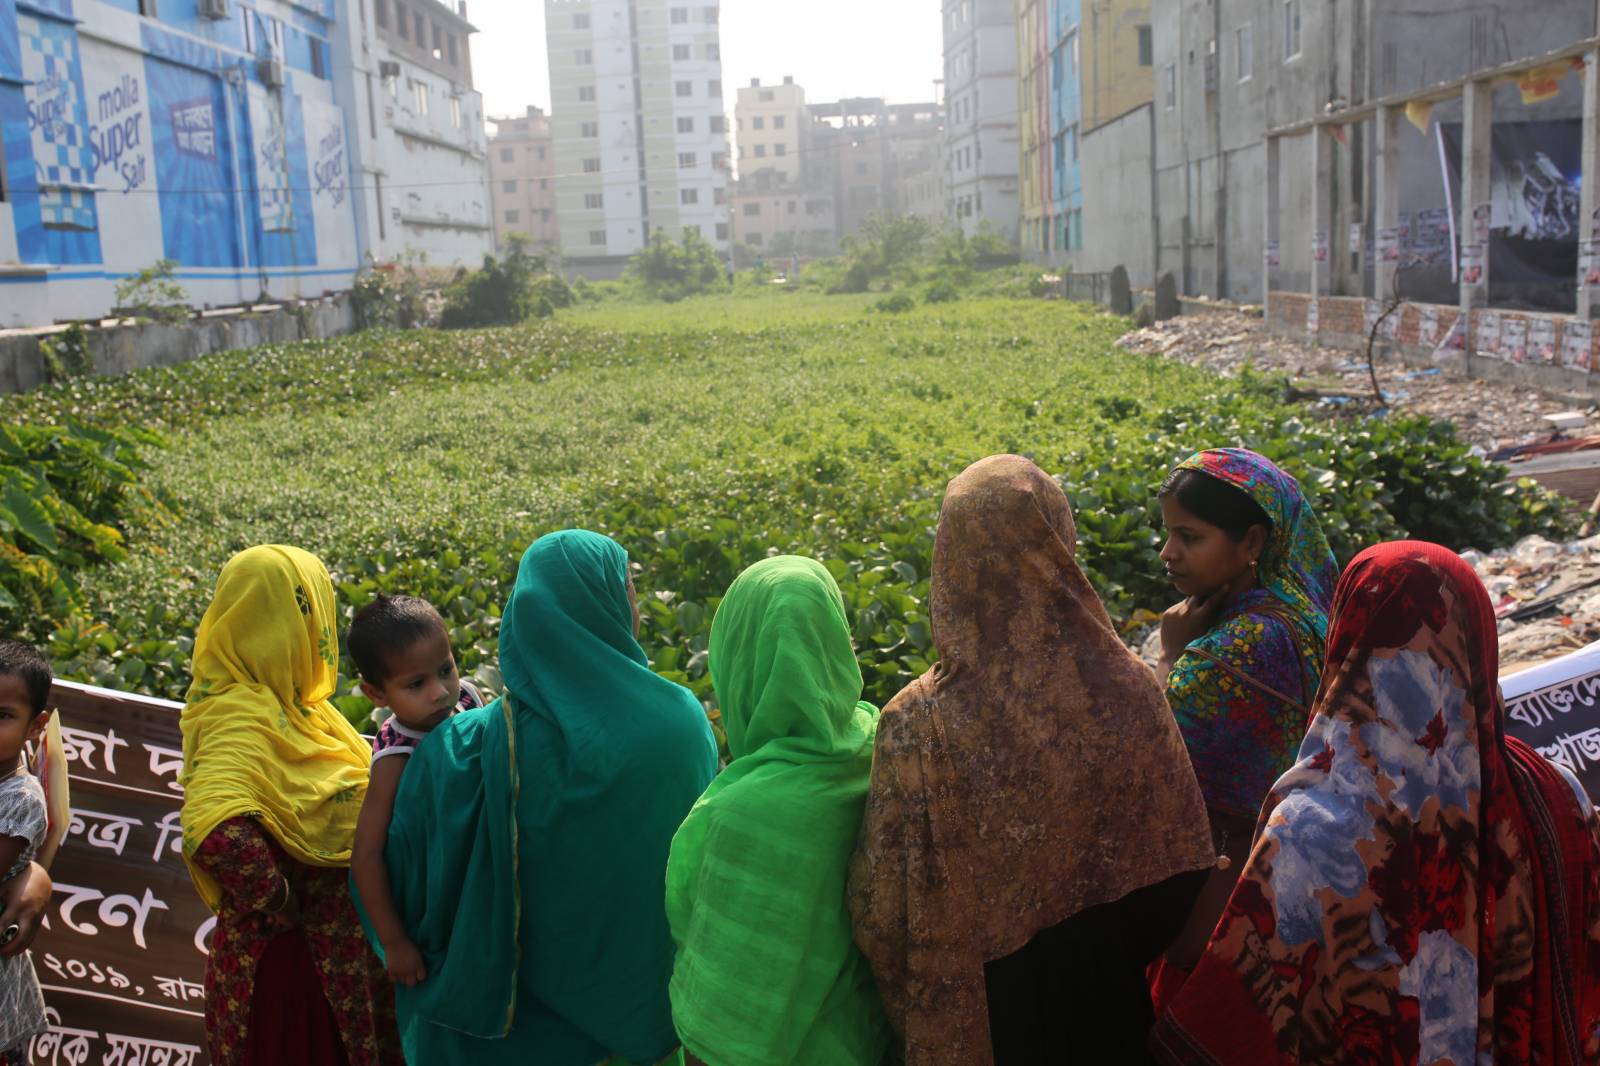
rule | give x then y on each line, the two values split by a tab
1242	653
1422	888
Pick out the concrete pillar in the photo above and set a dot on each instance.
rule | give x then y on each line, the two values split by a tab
1269	229
1477	127
1589	299
1386	198
1321	220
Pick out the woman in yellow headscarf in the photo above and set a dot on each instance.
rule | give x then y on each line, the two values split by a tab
273	781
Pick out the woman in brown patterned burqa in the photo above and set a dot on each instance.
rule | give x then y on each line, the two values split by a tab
1034	835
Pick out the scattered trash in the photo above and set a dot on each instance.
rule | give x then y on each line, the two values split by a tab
1546	596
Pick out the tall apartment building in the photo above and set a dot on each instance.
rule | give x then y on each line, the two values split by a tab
417	146
1049	118
980	145
771	129
1118	60
522	168
641	141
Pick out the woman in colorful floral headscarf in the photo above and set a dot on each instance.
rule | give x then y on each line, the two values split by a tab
1242	654
1423	888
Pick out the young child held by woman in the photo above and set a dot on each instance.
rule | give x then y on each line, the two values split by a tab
25	680
402	649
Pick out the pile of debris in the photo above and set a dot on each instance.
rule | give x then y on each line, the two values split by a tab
1492	416
1546	596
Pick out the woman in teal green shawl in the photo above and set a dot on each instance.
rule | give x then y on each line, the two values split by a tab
767	972
529	839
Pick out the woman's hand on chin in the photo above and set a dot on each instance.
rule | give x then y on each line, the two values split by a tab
1188	620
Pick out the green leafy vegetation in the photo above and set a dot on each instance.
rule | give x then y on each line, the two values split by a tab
670	271
153	293
704	435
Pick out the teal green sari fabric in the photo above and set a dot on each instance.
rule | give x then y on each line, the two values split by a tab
529	840
767	971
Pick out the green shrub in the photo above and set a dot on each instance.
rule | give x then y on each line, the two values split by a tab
152	293
503	293
941	292
895	304
671	272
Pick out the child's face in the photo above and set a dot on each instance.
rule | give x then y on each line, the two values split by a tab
423	686
18	723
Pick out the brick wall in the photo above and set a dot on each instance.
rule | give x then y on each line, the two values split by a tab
1416	332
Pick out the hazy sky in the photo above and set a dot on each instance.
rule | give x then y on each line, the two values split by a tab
835	48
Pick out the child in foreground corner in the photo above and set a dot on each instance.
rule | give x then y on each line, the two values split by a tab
402	649
25	680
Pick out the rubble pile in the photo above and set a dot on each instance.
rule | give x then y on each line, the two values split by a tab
1491	416
1546	595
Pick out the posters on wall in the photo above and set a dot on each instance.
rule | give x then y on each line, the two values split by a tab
1428	325
1274	255
1489	338
270	137
1370	310
1472	264
1577	342
123	960
1542	341
1319	246
190	144
1355	238
1313	317
1389	245
1514	338
1589	264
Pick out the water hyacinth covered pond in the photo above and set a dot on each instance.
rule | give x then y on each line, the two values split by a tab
703	435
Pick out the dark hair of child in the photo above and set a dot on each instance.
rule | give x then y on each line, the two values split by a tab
25	661
386	625
1228	508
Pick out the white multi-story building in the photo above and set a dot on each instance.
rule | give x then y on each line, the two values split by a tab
641	140
980	143
771	121
417	144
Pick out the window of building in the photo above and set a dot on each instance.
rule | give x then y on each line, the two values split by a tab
713	51
594	201
766	96
540	153
686	124
1072	51
394	87
1291	30
513	217
780	149
455	111
544	183
680	53
688	196
402	24
1169	86
686	160
438	42
380	12
680	16
584	57
722	231
591	129
714	89
508	186
752	209
586	94
419	92
683	88
719	160
719	196
421	25
779	121
452	49
719	124
580	22
713	16
1072	143
319	67
597	237
1147	47
793	207
761	151
508	155
758	123
1244	45
861	169
591	166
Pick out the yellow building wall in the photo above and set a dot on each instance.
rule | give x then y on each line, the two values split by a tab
1033	119
1114	82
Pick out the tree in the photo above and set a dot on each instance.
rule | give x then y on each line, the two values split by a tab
672	271
502	293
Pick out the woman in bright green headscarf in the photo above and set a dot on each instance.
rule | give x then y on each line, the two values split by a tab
529	838
767	972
